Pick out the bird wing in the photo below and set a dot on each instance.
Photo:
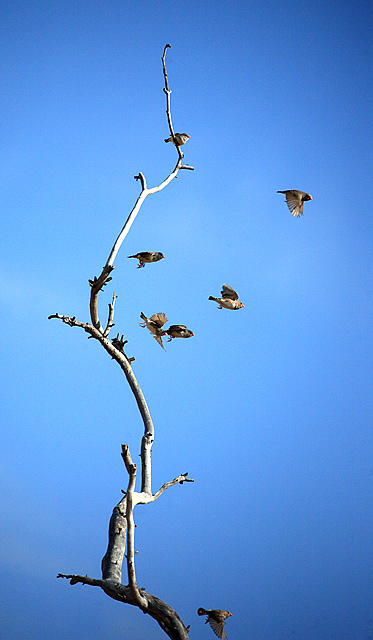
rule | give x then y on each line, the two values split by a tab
159	340
177	327
294	202
228	292
218	628
145	255
159	319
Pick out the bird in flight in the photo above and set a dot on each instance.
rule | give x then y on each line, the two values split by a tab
147	256
215	617
178	331
295	200
229	299
155	324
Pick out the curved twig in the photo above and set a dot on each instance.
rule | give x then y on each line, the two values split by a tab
110	323
146	498
167	90
96	285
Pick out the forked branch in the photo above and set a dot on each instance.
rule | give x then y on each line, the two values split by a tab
122	526
166	617
145	191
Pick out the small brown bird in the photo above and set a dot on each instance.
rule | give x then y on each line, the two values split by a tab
155	324
147	256
178	331
216	619
179	139
229	298
295	200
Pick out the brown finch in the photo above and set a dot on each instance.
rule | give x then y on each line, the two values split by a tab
147	256
178	331
179	139
295	200
155	324
229	298
216	619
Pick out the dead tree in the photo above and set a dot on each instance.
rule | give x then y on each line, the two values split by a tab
121	527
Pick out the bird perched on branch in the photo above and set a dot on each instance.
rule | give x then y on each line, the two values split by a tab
295	200
216	618
155	324
179	139
178	331
147	256
229	298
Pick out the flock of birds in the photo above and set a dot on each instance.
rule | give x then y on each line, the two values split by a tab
229	300
155	323
229	297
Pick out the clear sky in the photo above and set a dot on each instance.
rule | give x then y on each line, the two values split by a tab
268	408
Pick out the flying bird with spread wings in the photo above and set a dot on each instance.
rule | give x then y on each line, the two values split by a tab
155	324
295	200
229	299
215	617
147	256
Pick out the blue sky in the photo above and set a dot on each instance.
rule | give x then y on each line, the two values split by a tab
268	408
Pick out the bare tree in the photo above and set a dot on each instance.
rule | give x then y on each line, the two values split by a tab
122	527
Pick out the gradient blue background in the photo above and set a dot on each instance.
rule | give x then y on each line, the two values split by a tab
267	408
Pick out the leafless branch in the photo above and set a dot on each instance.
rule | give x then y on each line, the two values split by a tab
166	617
179	480
147	497
167	90
131	469
96	285
122	526
145	191
168	99
111	316
113	559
